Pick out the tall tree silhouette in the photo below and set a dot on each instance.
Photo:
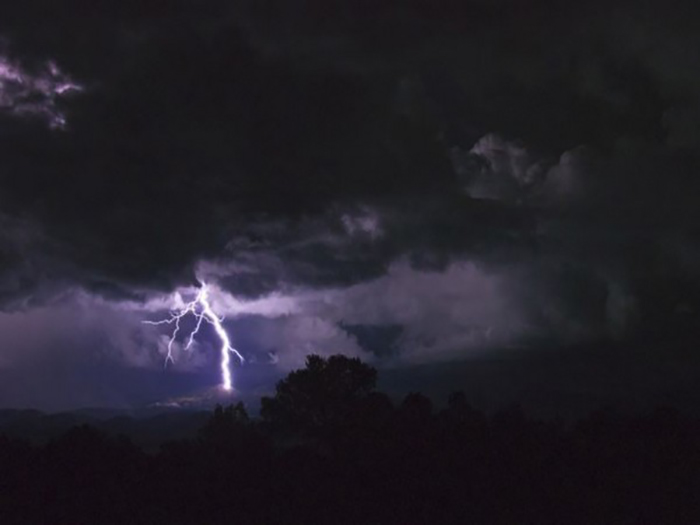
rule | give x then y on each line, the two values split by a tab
325	394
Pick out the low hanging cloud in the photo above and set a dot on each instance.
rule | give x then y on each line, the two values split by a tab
442	315
461	311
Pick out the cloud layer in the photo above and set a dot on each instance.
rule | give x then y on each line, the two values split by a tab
404	182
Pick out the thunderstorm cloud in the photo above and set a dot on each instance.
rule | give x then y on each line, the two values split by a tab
408	183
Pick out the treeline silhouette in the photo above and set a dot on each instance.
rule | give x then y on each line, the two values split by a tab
329	448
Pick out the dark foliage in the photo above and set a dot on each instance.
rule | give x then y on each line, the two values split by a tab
323	396
329	449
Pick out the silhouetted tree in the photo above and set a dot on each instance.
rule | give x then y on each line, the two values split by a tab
376	408
461	414
326	393
225	422
417	407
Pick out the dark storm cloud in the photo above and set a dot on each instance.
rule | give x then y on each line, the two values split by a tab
184	134
351	244
314	144
519	69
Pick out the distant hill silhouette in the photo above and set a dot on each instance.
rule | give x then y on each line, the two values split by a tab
147	427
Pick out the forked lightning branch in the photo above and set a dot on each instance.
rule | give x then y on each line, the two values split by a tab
200	308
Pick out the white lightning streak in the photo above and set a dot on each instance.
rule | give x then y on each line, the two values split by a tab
201	309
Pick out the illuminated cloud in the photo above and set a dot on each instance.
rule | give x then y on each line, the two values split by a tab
366	222
35	93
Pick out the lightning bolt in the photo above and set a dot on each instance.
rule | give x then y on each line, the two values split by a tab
202	311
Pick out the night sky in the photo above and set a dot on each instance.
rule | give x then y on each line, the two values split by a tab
498	196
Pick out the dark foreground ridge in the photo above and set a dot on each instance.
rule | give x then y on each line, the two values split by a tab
329	448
